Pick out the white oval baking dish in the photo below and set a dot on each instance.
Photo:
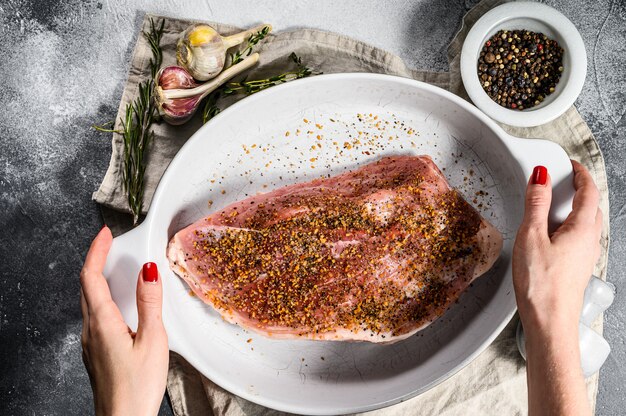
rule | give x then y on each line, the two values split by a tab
255	146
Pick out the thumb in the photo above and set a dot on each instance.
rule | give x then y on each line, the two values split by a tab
149	301
538	200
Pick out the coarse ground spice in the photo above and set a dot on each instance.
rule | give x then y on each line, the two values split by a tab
518	69
335	263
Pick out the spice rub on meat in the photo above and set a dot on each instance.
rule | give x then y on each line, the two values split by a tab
371	255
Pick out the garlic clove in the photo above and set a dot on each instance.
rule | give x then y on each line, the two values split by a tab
201	51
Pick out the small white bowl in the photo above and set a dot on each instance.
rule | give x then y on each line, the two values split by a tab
534	17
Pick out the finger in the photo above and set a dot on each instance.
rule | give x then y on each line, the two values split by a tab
538	200
149	302
97	255
95	288
587	196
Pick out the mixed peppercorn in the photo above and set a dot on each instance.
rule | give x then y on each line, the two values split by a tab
518	69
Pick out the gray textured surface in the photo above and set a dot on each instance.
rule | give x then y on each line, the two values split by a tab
63	68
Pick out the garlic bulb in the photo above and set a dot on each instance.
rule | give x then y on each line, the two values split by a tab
178	95
176	111
202	51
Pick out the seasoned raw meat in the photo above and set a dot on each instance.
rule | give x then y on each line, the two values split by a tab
371	255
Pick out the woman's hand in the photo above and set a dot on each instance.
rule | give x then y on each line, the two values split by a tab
550	274
127	370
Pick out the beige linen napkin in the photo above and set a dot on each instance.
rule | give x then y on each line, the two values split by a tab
495	382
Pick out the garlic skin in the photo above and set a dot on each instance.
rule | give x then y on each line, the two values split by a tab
177	95
173	77
201	51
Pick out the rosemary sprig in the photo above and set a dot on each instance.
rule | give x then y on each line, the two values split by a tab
136	127
139	116
250	87
252	41
136	135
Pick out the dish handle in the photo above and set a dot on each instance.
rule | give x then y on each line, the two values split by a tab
128	253
534	152
126	257
594	349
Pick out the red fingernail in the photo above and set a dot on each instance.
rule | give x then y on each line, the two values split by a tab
150	272
103	227
540	175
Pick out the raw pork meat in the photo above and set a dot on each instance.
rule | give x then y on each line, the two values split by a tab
371	255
